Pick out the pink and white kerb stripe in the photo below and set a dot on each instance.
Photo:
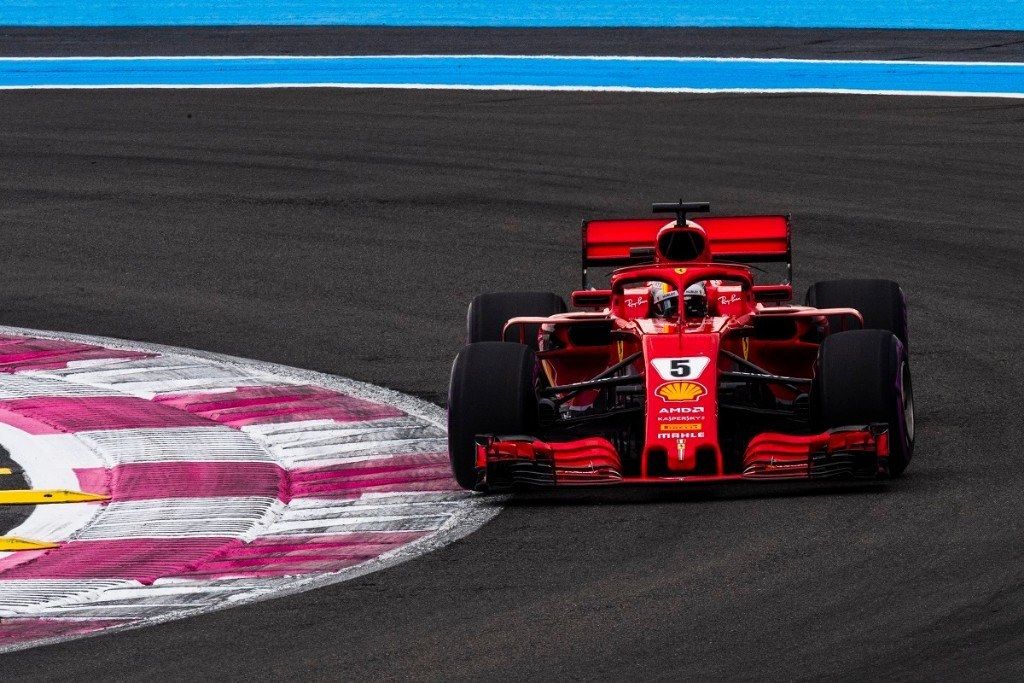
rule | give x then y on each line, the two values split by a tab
229	481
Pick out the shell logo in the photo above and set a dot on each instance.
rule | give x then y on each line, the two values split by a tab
681	391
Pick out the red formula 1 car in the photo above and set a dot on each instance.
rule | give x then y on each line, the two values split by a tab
684	369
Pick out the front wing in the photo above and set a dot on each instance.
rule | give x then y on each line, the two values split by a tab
518	461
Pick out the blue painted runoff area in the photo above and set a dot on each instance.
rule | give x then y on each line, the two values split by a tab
896	14
590	73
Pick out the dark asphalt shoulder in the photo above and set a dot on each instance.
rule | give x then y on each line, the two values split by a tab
708	42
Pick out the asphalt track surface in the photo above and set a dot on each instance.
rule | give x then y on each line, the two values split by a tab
344	231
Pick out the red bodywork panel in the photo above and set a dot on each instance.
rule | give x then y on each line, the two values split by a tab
682	413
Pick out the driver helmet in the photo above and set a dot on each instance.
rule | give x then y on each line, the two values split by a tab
696	300
664	300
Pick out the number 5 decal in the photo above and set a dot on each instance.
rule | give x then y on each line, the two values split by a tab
679	368
690	367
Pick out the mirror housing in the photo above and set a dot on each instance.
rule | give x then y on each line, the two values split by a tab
772	293
595	299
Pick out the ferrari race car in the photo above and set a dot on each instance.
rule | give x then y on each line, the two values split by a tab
684	369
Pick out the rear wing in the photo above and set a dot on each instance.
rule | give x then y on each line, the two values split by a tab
742	239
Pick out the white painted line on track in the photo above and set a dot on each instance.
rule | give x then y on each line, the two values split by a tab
535	88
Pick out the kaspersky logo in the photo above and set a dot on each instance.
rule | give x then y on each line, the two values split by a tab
681	391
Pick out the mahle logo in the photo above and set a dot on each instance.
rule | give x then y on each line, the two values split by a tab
681	391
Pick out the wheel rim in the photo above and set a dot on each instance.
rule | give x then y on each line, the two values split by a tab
907	390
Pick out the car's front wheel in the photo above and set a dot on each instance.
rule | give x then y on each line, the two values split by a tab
492	391
863	377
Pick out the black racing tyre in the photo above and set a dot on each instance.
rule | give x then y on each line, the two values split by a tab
492	391
863	377
881	302
488	314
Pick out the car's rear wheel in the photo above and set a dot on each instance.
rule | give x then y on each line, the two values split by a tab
492	391
488	314
863	377
881	302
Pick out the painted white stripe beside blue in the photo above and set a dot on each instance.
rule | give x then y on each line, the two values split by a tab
899	14
522	72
